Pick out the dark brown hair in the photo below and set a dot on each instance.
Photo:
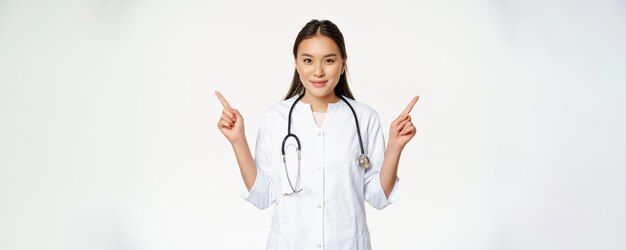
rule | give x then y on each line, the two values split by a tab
330	30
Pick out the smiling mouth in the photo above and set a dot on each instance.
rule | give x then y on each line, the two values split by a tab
319	83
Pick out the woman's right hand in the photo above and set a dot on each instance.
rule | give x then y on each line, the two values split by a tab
231	121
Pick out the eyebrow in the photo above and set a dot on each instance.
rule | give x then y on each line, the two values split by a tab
329	55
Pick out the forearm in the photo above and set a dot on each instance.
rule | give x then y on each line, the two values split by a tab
389	171
247	166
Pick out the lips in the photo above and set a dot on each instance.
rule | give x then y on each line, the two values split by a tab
319	83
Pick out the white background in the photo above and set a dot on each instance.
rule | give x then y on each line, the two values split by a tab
108	136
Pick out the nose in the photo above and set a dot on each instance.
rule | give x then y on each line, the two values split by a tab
319	70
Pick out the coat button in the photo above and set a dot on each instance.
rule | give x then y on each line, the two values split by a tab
319	245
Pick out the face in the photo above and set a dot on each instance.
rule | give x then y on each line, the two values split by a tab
320	66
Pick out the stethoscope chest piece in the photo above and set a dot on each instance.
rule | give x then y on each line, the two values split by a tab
363	161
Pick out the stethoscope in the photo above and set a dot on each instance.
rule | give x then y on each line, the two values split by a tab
362	159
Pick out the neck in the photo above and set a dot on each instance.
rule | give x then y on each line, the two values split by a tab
320	104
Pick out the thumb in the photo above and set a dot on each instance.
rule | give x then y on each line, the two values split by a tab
400	119
236	113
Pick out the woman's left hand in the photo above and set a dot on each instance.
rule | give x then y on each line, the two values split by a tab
402	129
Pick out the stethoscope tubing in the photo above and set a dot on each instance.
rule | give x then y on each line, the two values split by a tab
362	159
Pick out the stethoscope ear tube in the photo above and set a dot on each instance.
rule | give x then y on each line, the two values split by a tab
293	188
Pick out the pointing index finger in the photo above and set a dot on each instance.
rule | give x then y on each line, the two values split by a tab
222	100
410	106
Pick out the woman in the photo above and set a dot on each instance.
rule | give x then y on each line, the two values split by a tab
319	192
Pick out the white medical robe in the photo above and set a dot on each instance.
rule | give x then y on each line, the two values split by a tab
329	212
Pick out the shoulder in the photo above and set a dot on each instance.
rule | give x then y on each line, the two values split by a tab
280	107
367	116
278	110
362	109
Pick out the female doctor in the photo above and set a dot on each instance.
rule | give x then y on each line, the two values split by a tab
319	153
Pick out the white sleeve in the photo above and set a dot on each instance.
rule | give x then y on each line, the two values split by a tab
261	194
375	150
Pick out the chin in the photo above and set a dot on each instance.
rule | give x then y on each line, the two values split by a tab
318	93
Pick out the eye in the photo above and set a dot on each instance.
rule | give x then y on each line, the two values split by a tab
330	61
307	60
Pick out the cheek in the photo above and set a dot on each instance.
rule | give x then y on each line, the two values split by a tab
303	74
334	70
303	71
